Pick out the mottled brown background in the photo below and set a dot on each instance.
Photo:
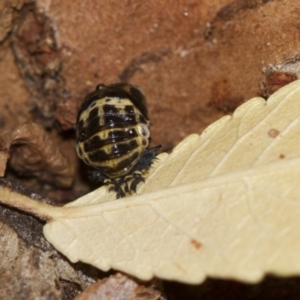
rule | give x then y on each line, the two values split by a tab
196	60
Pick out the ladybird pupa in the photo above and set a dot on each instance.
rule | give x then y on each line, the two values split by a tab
112	135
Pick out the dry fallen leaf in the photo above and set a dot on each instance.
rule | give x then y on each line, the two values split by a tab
223	204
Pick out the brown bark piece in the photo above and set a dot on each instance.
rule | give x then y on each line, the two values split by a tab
30	268
276	76
29	272
120	287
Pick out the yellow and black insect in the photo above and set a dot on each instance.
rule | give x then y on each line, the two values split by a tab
113	136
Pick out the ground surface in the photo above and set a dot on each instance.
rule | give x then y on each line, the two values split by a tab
196	61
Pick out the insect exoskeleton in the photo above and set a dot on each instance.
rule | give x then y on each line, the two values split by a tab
113	136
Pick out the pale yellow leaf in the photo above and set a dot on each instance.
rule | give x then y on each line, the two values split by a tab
223	204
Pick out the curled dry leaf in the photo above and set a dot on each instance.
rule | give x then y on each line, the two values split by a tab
223	204
35	155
